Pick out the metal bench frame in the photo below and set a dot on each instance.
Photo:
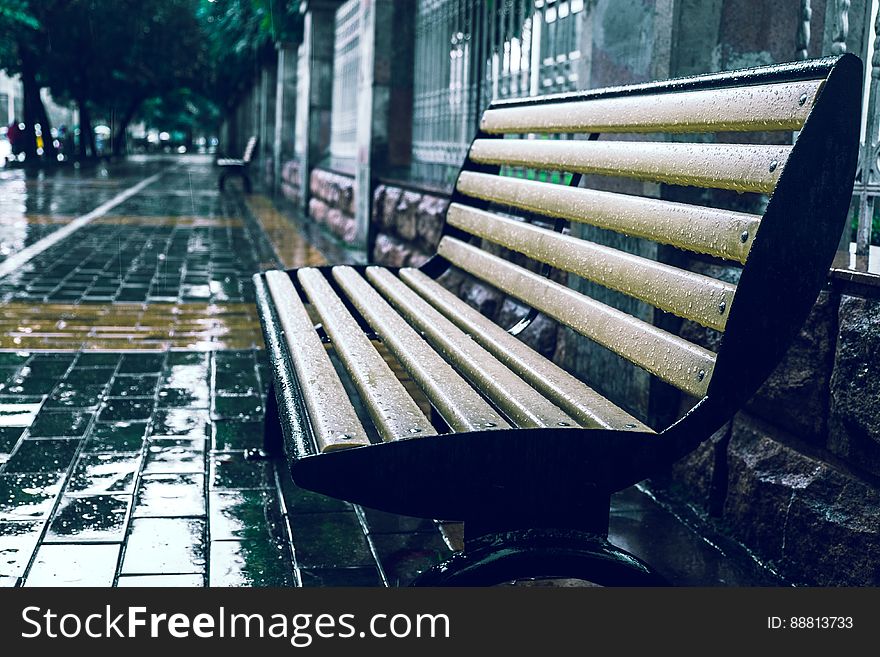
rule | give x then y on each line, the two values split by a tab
238	167
535	501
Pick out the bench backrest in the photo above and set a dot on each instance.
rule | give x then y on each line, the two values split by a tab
784	252
249	149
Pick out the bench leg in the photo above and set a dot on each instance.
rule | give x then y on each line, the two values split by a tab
221	183
546	554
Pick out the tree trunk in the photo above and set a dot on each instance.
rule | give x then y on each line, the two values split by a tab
50	153
119	139
31	99
86	134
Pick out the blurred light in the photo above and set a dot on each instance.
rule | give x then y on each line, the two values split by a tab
39	151
56	143
60	157
21	157
181	149
164	136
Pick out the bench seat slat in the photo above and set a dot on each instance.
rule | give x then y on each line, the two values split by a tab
458	403
335	423
782	106
721	233
522	404
739	167
683	293
572	395
395	413
673	359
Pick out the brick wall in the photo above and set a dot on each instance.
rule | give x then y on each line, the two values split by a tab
331	203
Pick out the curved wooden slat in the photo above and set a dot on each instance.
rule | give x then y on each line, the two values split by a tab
522	404
395	413
461	406
700	298
572	395
720	233
783	106
740	167
335	423
671	358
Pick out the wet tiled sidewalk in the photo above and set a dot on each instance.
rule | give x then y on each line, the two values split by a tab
132	394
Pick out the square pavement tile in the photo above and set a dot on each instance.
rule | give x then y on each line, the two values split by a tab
95	474
229	435
330	540
116	437
75	395
9	437
161	581
250	563
134	386
19	411
18	540
60	424
181	423
167	546
126	410
94	518
104	360
42	456
74	565
28	496
166	456
245	514
248	407
232	471
170	496
141	364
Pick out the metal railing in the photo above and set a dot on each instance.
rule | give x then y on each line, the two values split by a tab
469	52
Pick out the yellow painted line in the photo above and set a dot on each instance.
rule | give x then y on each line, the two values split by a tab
129	327
290	245
169	220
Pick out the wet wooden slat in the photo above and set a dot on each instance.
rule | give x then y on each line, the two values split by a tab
394	412
522	404
458	403
693	296
781	106
334	422
675	360
740	167
572	395
720	233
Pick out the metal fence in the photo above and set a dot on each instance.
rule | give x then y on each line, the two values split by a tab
346	73
469	52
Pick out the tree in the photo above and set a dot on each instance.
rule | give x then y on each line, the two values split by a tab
21	37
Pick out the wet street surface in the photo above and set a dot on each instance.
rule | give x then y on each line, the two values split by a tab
132	391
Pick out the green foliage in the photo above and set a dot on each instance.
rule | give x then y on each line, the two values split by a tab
240	36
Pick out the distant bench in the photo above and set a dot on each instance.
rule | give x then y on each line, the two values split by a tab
236	167
523	452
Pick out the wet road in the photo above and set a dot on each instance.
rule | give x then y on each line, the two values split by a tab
132	383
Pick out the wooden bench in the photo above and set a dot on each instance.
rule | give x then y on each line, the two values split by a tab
523	453
237	167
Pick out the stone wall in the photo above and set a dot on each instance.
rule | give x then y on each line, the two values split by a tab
795	476
331	203
290	181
